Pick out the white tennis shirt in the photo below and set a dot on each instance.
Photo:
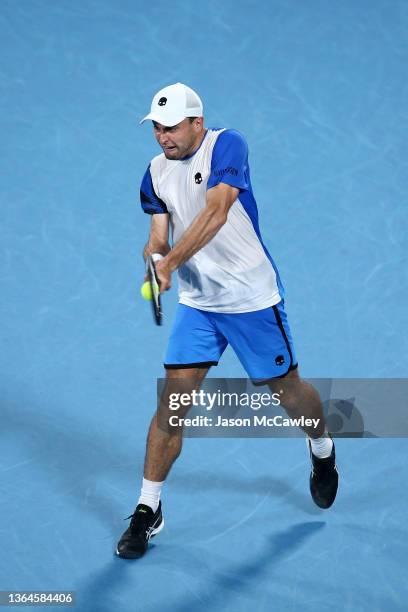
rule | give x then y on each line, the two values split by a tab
234	271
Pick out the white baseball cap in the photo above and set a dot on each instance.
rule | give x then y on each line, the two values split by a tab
173	104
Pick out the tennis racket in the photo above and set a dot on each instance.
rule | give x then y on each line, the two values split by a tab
155	289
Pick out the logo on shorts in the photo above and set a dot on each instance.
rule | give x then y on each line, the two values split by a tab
162	102
198	178
280	360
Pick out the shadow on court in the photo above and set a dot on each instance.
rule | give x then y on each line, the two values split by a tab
238	578
109	589
116	585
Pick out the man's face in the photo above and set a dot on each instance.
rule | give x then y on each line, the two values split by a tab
179	140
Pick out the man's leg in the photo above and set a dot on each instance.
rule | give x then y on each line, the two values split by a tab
263	342
162	449
164	443
300	398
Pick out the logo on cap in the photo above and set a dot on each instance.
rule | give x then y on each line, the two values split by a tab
162	102
198	178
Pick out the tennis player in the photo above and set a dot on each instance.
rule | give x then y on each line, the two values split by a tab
230	291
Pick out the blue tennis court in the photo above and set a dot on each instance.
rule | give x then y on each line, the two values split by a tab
319	91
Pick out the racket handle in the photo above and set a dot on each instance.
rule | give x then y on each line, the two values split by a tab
155	257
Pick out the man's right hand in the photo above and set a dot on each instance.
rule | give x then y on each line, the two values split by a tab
163	274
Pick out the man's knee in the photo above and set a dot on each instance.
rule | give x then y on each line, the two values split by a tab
291	380
176	396
289	388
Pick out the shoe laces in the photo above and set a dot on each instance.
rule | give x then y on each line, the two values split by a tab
140	517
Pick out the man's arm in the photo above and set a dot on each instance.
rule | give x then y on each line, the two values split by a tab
159	236
204	227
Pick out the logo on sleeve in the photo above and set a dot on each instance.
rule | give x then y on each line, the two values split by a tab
228	170
162	102
198	178
280	360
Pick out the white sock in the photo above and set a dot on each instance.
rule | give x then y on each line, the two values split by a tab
150	493
322	447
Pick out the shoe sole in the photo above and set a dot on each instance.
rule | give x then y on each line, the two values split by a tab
135	555
158	529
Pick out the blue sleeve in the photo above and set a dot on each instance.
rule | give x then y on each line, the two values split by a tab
151	203
229	163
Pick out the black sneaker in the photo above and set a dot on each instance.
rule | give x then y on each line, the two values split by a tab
324	479
144	524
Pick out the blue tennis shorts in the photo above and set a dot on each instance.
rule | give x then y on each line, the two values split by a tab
261	340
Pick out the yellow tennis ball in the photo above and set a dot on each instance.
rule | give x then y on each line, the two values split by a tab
146	291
